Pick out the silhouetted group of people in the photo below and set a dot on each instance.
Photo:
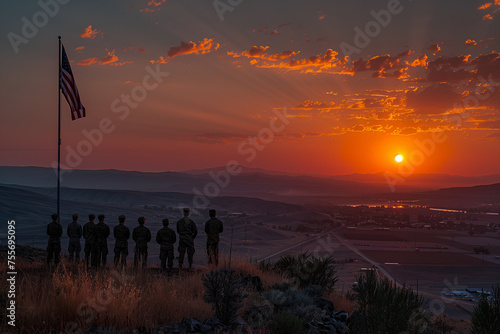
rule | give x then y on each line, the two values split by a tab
96	244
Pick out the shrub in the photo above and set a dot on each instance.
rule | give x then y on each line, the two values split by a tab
287	323
304	270
486	314
224	290
384	307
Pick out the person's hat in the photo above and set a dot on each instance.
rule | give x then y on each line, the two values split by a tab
101	216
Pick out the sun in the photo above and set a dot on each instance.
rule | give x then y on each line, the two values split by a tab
398	158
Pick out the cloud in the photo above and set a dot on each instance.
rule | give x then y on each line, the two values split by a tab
434	48
80	48
204	46
486	65
491	7
493	136
449	69
153	6
434	99
135	48
321	16
491	125
420	61
275	32
485	6
109	59
381	65
260	52
470	42
310	104
315	64
91	33
88	61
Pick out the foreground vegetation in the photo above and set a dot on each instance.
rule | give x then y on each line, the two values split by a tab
296	294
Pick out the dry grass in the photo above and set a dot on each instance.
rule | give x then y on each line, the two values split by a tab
70	298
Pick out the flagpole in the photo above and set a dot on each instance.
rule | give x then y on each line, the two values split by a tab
59	133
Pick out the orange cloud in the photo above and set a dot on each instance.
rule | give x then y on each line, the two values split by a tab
90	33
80	48
449	69
152	6
88	61
485	6
487	65
434	48
487	17
109	59
381	65
309	104
204	46
420	61
470	42
314	64
259	52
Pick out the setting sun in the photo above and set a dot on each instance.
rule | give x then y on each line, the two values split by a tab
398	158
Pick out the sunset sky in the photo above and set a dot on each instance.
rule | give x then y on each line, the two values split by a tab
355	83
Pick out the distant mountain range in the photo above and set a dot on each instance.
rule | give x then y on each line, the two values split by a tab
250	182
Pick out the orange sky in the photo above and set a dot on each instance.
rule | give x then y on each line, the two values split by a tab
354	85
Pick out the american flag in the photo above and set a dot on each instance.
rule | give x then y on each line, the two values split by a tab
68	87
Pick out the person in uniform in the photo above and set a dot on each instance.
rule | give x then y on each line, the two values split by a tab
101	238
121	234
74	232
89	236
212	228
187	233
54	231
166	238
141	236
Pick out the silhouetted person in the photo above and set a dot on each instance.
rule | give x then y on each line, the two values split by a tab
166	238
54	231
121	234
141	236
212	228
187	232
74	232
101	238
89	236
